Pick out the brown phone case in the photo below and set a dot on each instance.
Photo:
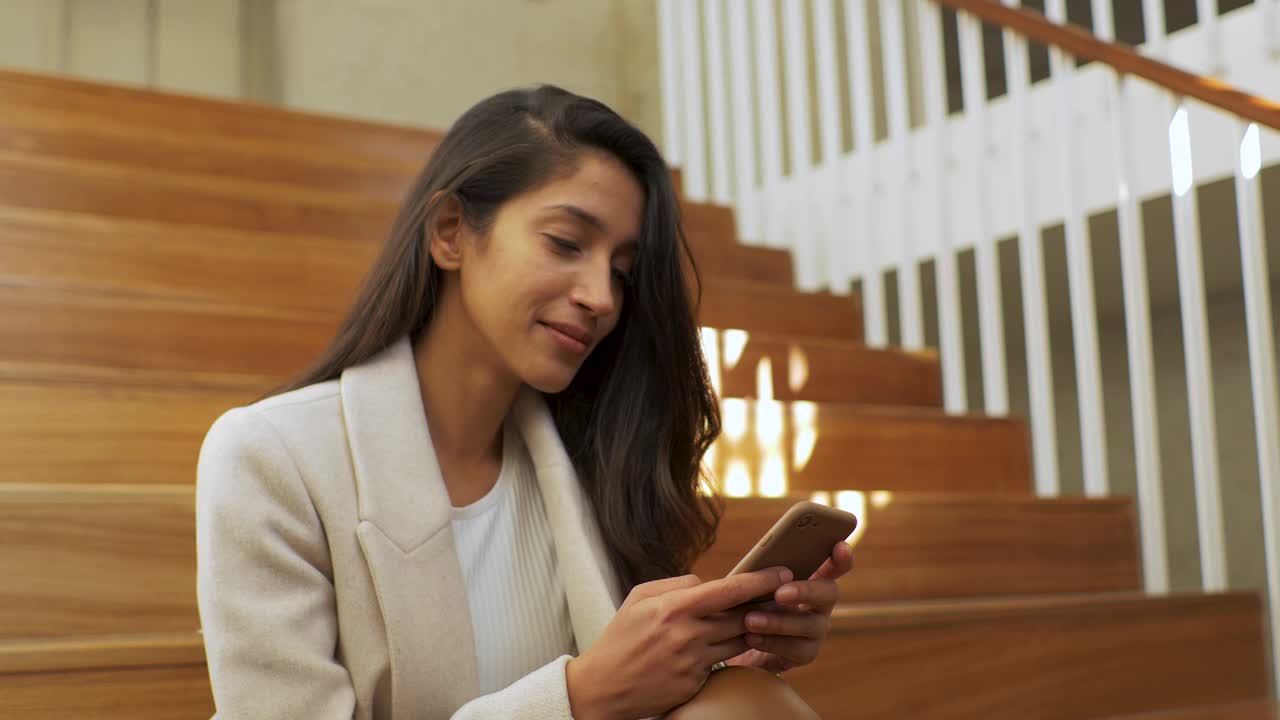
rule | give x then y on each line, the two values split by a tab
801	540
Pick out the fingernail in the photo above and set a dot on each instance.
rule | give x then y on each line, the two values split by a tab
756	621
785	575
788	594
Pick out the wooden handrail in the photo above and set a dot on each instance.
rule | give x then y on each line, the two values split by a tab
1123	58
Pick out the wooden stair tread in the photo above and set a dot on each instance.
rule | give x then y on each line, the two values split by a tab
823	369
86	652
146	194
272	269
68	430
1053	658
911	449
221	119
929	546
761	307
1247	710
122	328
156	676
96	560
72	136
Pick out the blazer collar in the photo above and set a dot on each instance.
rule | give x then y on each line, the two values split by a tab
405	532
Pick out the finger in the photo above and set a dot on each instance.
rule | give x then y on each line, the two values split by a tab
729	592
798	651
838	565
721	651
821	595
813	627
723	626
655	588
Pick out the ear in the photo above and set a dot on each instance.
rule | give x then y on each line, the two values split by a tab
443	233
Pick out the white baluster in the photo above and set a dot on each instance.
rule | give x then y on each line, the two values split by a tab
902	185
747	207
858	44
829	239
669	61
1137	313
795	53
713	17
995	377
1103	20
1084	316
950	328
1262	362
1035	313
695	138
1154	22
1195	341
1271	26
1207	21
768	110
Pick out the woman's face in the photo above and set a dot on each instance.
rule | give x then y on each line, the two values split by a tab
546	284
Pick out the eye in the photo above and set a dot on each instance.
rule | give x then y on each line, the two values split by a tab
623	278
561	245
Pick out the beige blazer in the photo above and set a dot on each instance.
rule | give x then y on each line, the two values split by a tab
328	583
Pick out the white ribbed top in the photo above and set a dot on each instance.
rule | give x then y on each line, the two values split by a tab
519	612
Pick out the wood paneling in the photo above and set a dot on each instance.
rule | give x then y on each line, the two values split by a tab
1066	658
146	677
916	547
96	560
822	370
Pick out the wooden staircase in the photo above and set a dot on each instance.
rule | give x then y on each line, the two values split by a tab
165	258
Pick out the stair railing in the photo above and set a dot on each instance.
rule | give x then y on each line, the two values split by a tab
872	173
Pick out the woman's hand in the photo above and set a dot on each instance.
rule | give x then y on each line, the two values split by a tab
658	650
789	632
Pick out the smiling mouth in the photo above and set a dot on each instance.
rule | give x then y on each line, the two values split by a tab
566	341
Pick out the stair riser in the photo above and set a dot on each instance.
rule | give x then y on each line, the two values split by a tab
913	547
1059	665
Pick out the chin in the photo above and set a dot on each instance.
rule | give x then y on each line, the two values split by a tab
550	381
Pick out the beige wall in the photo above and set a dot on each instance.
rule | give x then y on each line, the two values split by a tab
185	45
416	62
424	63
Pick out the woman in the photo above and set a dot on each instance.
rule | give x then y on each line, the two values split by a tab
483	500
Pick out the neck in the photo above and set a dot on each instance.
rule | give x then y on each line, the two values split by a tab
466	390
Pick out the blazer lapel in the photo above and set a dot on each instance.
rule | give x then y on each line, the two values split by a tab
407	540
590	584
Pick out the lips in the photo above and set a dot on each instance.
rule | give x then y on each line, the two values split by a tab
576	332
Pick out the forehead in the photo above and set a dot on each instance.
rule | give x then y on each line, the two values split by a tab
599	189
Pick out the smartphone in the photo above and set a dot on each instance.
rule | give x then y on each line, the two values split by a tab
801	541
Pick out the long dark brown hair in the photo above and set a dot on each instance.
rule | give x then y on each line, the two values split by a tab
640	413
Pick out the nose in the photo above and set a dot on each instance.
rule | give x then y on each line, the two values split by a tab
594	290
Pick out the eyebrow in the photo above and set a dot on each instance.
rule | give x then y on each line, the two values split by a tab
591	220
